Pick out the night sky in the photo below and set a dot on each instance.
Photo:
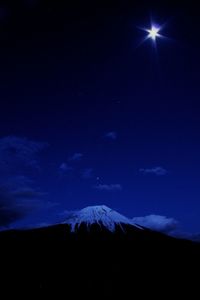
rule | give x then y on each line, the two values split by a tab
93	114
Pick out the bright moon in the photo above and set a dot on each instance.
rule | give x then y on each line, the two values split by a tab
153	32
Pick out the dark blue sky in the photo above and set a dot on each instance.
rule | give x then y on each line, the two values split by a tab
74	77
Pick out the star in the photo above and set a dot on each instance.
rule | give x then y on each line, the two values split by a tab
153	32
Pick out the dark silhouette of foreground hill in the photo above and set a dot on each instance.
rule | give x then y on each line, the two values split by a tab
97	263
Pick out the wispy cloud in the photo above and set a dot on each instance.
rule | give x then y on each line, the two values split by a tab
65	168
157	222
112	135
108	187
87	173
158	171
18	153
27	192
76	156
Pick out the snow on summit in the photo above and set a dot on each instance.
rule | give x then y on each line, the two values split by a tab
101	215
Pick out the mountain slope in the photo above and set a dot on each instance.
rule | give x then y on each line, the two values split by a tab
97	262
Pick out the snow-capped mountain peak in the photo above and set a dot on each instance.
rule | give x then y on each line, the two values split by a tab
100	214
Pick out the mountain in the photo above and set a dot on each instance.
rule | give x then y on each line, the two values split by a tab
102	215
97	253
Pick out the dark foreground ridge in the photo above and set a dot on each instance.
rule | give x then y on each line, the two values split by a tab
96	262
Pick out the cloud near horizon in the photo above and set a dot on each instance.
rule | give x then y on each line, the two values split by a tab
157	222
19	160
158	171
18	201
